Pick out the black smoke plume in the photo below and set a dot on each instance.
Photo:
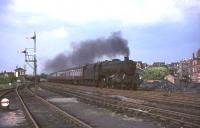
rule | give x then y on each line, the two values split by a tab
89	50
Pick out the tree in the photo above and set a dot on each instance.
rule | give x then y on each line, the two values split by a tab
154	73
43	75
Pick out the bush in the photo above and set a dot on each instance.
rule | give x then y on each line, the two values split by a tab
154	73
7	80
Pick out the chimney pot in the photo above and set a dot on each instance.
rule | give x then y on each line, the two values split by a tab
126	58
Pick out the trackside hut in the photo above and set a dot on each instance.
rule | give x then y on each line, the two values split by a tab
20	73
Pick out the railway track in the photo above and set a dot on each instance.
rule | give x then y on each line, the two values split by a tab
154	100
2	90
186	102
169	101
177	119
43	114
178	100
157	98
190	101
5	91
13	113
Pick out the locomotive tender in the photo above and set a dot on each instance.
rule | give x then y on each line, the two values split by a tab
110	74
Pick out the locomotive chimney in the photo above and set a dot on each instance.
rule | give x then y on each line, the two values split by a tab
126	58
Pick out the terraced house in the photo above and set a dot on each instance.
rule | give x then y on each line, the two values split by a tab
195	76
190	68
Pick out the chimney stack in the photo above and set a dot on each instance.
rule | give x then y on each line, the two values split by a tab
126	58
193	56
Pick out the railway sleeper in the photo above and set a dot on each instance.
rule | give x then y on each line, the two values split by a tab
116	108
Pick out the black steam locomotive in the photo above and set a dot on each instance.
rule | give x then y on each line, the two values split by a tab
110	74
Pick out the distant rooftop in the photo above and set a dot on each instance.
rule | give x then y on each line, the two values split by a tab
18	69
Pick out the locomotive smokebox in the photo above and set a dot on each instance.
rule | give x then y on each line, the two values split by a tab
126	58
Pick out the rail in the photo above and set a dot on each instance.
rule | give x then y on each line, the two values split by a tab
28	113
176	117
67	116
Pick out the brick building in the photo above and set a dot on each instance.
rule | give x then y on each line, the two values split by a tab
141	65
159	64
173	68
184	69
190	68
195	70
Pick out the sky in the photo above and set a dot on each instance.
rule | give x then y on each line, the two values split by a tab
156	30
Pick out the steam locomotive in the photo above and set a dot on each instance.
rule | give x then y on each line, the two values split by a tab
109	74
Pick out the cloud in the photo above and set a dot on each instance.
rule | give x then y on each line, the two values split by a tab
134	12
60	22
57	33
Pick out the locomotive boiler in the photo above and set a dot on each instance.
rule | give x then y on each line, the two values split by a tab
109	74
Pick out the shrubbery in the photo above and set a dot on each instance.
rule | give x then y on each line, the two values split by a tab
6	80
154	73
